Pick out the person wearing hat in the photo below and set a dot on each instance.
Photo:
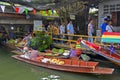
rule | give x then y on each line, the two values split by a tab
73	50
103	26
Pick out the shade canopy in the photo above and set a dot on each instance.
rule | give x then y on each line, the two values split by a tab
45	4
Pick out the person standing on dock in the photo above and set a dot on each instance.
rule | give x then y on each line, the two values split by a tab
70	30
103	26
56	32
90	30
62	31
109	27
50	27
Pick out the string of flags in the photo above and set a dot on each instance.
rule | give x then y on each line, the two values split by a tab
23	9
3	8
26	10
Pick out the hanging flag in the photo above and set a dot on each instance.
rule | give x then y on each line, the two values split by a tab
34	11
3	8
21	9
17	10
26	11
29	8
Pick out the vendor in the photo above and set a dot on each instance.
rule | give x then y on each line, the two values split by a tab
73	50
27	39
34	54
26	52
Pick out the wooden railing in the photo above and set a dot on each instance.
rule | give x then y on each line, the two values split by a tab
97	39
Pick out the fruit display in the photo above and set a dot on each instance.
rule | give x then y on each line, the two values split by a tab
78	46
11	41
78	52
22	43
60	51
45	60
66	53
54	50
52	61
56	61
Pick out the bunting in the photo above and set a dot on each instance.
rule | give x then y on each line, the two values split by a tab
21	9
26	11
17	10
3	8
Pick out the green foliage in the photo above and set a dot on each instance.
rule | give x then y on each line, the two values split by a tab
41	41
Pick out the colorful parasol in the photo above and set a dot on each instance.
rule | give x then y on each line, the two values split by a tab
111	37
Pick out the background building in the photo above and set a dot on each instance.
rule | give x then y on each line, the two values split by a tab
110	8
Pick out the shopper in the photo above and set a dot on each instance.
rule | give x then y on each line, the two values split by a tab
90	30
70	30
109	27
103	26
62	31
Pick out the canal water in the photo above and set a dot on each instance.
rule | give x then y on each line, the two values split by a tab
11	69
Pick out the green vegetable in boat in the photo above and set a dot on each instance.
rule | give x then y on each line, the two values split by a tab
11	41
41	42
54	50
60	51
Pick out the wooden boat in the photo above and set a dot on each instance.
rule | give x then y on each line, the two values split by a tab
70	65
105	52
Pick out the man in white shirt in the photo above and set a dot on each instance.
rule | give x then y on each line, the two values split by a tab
109	27
70	30
62	31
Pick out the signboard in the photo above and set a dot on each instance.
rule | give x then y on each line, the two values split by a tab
72	17
37	25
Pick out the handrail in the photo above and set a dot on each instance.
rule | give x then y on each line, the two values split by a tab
98	42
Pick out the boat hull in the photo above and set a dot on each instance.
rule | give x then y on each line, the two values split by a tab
104	52
68	68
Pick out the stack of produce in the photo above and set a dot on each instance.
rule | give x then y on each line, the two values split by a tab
54	50
56	61
41	42
52	61
58	51
20	44
78	48
11	41
66	53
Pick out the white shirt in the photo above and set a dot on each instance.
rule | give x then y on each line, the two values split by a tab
62	29
90	26
70	28
109	28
